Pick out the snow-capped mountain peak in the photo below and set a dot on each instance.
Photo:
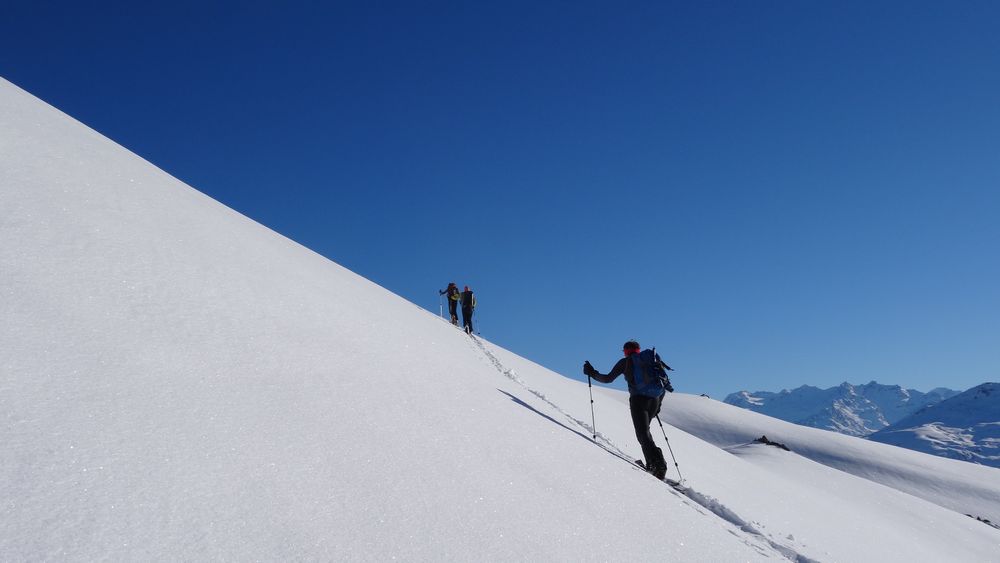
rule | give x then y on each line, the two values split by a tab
965	427
857	410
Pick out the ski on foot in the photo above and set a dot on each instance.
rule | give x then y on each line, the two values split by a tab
672	482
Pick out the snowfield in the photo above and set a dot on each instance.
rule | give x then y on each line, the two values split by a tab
181	383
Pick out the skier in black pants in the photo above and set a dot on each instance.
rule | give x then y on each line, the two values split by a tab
644	408
468	305
453	298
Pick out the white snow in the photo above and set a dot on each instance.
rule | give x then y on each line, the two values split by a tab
181	383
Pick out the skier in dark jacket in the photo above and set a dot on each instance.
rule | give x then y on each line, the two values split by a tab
468	305
643	408
454	296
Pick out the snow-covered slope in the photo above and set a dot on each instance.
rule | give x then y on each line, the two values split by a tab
856	410
963	487
965	427
180	383
885	500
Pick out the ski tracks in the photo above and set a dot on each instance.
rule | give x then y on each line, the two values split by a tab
512	375
700	500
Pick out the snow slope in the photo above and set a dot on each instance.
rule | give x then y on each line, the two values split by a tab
965	427
963	487
891	503
181	383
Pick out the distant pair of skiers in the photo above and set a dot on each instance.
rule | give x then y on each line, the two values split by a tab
647	382
468	301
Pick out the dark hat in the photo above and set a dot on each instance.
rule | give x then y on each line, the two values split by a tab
630	345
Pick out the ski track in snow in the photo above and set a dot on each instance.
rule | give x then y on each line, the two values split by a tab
707	502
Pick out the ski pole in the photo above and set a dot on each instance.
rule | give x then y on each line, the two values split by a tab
680	478
593	423
441	303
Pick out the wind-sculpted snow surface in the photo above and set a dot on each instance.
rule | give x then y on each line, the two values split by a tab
180	383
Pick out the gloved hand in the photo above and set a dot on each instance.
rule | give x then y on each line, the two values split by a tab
588	369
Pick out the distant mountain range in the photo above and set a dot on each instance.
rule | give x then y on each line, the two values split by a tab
965	427
856	410
943	422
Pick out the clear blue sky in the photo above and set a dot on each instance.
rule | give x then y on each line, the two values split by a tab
772	193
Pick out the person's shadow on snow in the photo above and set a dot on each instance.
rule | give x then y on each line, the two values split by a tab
545	416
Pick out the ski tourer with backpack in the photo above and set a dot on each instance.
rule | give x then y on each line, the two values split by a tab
646	375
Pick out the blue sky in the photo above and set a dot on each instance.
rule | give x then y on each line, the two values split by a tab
771	193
